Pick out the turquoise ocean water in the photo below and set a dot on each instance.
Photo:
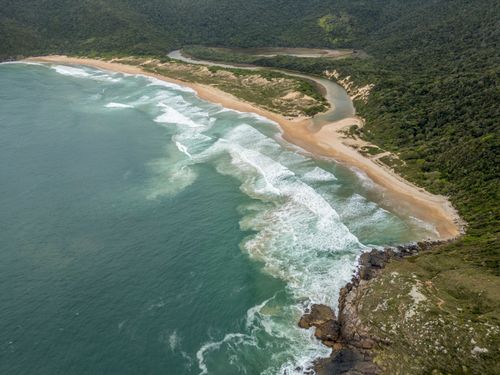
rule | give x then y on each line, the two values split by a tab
144	231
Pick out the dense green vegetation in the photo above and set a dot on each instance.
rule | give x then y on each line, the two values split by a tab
156	26
435	65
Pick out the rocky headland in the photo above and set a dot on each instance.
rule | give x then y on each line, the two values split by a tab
351	341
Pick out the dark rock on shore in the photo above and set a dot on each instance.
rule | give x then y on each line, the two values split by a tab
328	332
10	58
350	339
318	315
374	260
323	318
346	362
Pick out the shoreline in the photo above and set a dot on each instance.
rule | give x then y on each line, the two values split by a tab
403	196
353	346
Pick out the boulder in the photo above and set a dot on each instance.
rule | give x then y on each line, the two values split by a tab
318	315
378	259
328	331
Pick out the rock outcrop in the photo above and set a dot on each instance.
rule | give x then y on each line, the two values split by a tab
319	314
323	318
349	338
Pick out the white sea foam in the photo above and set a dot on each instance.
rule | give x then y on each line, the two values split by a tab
319	175
107	77
283	347
183	149
428	227
225	110
299	235
366	181
88	73
172	116
71	71
121	324
235	338
145	100
357	206
156	305
171	177
158	82
118	105
20	62
260	118
297	232
244	115
174	341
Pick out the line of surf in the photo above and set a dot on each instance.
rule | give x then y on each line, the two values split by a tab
402	197
324	140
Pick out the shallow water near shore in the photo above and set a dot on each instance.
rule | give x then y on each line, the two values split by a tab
147	231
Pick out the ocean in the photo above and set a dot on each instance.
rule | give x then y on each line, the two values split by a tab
145	231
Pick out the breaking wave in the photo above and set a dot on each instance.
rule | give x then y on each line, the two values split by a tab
89	73
298	227
298	235
118	105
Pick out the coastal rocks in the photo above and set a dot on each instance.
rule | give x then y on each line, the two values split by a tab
374	260
10	59
371	262
346	361
318	315
327	327
353	332
349	338
346	358
328	332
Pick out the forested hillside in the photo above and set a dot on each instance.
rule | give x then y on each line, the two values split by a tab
156	26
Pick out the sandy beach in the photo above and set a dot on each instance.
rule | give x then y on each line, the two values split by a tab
400	196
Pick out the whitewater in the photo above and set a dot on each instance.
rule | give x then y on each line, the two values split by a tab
300	222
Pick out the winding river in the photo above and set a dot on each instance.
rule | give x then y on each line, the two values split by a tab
341	105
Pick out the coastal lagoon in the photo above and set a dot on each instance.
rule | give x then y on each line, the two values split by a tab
144	230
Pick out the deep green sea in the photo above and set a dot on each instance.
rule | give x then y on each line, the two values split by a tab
144	231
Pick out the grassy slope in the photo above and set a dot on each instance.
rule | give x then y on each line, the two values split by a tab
436	313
